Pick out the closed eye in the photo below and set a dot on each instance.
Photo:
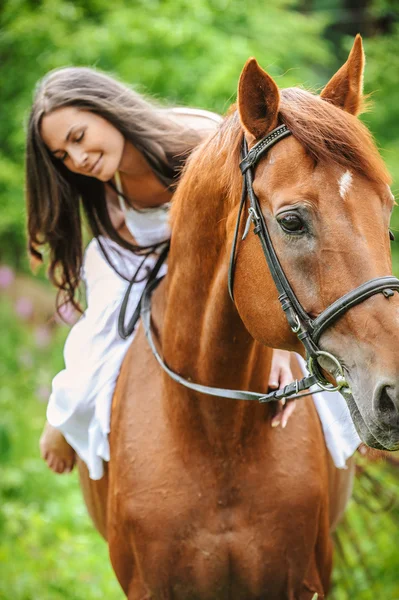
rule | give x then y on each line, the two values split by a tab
77	140
80	136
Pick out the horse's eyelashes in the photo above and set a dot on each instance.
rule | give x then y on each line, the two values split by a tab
391	235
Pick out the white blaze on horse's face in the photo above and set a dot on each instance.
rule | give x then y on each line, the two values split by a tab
344	184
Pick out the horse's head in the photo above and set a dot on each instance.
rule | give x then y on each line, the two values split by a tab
326	201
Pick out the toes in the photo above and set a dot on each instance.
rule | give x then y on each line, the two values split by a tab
60	466
54	463
70	465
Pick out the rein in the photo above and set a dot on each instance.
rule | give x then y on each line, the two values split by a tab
308	330
288	391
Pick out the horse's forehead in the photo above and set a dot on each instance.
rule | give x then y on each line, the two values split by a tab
289	165
286	163
287	149
290	170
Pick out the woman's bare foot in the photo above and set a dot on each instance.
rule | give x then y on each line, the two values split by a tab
56	451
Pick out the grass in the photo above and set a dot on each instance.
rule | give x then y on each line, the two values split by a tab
49	549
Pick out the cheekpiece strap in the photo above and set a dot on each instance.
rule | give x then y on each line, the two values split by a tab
263	146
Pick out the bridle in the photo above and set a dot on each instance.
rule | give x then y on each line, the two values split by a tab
308	330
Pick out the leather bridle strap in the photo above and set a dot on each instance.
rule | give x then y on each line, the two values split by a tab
385	285
125	330
289	302
293	309
290	391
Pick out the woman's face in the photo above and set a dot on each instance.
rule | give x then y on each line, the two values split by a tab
85	142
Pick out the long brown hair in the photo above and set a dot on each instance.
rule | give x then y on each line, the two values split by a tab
54	194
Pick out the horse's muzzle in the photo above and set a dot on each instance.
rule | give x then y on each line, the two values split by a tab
386	415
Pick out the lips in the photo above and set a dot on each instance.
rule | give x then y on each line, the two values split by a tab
94	168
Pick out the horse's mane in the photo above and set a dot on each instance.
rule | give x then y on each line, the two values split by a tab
328	134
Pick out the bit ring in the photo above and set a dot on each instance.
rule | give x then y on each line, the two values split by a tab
321	381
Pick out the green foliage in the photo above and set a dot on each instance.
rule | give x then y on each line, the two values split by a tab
181	51
48	547
366	561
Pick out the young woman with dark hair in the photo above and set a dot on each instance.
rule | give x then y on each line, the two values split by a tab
95	143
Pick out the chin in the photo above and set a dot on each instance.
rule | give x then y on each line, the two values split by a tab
104	178
105	175
107	172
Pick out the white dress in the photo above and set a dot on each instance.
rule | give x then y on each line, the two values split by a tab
80	402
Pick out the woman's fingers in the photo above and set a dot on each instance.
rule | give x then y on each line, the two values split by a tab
284	410
287	412
276	420
280	376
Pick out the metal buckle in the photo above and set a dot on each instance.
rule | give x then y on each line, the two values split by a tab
252	216
297	325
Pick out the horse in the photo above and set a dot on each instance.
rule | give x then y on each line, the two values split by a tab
205	499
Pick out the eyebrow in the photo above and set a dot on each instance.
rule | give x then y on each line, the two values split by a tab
68	135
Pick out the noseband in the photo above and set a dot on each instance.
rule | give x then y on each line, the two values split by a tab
307	329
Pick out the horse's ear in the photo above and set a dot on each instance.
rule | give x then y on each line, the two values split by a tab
345	89
258	100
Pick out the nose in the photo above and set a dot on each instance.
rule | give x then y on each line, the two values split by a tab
79	158
386	406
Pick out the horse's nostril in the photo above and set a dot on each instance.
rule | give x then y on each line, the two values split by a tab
385	404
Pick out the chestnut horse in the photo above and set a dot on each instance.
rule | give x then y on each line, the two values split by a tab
206	500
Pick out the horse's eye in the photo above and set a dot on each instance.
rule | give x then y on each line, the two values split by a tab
291	223
391	236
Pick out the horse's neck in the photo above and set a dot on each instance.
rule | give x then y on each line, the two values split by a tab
205	340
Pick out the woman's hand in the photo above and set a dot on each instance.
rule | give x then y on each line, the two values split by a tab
280	376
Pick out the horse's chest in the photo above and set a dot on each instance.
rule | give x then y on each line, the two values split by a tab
218	538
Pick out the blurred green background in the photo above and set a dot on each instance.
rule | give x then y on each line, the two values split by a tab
186	52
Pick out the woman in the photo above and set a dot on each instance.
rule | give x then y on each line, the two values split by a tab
93	141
